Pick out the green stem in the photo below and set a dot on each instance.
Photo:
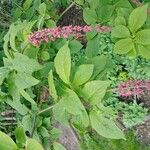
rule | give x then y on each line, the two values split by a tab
45	110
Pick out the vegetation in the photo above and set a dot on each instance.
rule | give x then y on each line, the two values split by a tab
93	78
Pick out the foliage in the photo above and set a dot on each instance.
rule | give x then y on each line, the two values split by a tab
132	113
131	40
70	79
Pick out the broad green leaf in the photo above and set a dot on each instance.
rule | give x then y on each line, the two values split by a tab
137	18
62	63
92	48
27	4
32	144
123	46
58	146
42	9
120	20
100	64
6	143
22	63
143	37
3	73
105	12
144	51
27	97
72	103
89	15
94	91
120	31
105	126
52	90
60	113
24	81
81	120
133	53
83	74
75	46
20	136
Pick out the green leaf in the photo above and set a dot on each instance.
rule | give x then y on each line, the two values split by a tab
120	20
83	74
6	41
143	37
100	64
137	18
75	46
79	2
50	23
20	136
93	3
20	108
42	9
105	12
120	31
24	81
144	51
105	126
32	144
94	91
45	55
62	63
60	113
92	48
27	4
58	146
3	73
51	85
40	22
13	34
72	103
27	123
27	97
22	63
89	15
123	46
6	143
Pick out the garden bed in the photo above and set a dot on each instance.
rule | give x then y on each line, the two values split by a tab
75	75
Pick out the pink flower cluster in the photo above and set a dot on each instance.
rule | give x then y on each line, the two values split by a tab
133	88
51	34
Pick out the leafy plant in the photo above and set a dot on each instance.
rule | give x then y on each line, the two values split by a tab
133	39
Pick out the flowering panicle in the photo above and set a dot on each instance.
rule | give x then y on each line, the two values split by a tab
133	88
51	34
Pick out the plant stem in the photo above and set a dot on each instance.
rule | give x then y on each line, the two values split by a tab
73	3
45	110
